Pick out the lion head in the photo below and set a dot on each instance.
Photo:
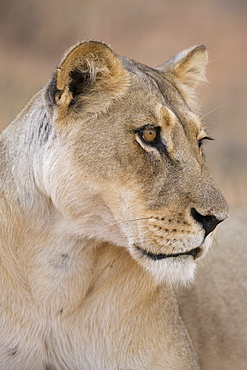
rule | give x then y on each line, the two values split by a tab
123	161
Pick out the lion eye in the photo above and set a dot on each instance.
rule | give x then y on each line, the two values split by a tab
200	142
149	135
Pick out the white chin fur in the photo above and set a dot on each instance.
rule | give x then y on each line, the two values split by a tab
176	271
173	271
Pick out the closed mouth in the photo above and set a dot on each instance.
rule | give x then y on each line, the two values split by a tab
193	252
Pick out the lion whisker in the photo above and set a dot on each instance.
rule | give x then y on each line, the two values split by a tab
136	219
211	111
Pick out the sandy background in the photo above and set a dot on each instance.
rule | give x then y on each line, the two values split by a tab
34	34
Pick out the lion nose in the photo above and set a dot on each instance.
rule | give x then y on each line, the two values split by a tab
208	222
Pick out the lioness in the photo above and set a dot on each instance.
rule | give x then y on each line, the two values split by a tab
106	205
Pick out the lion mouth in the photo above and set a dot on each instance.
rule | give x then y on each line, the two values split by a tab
193	252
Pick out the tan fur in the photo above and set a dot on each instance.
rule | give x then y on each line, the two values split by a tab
97	225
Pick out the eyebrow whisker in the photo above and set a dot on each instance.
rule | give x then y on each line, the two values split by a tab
205	115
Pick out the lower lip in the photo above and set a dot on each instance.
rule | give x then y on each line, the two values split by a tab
193	253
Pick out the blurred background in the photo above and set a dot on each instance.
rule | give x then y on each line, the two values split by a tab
34	35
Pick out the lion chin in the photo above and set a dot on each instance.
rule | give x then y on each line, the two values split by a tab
177	269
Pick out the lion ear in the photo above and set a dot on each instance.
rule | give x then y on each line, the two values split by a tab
88	79
187	69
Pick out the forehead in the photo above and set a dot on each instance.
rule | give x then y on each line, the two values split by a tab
150	92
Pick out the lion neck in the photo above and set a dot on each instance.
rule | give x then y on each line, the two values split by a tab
37	242
61	274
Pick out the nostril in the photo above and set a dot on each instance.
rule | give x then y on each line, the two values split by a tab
208	222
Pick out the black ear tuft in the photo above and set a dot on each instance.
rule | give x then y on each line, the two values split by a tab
88	79
80	83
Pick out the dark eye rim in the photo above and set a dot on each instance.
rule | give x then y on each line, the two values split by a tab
201	141
153	143
157	143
